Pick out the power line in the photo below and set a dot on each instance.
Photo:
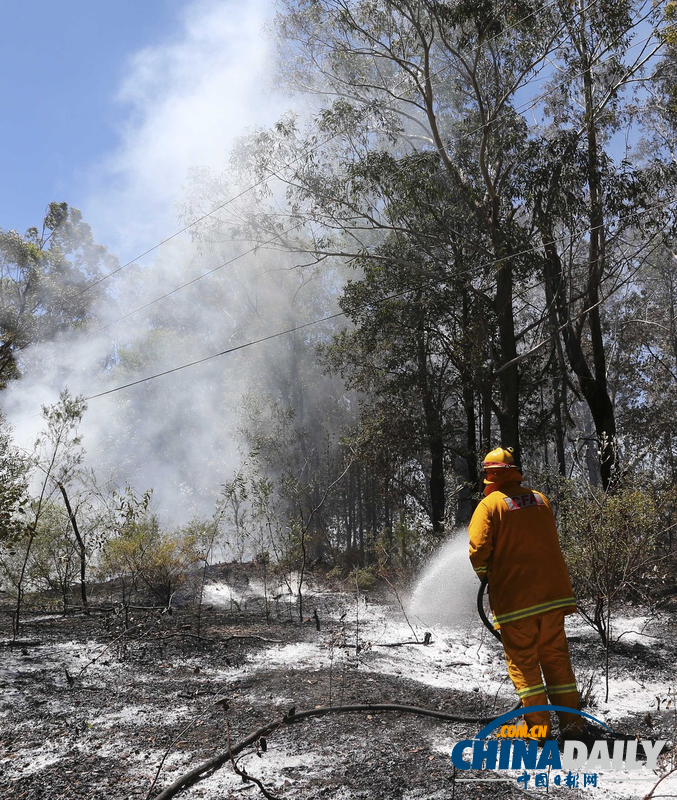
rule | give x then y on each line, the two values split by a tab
279	334
306	152
529	105
305	325
522	109
191	282
217	355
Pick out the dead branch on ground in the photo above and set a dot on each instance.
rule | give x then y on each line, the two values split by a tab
242	772
293	716
20	643
251	636
168	750
658	783
426	641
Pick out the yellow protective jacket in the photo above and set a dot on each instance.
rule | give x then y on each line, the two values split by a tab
514	542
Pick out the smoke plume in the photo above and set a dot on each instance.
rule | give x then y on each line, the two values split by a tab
182	105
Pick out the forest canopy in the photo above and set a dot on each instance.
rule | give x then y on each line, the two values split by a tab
499	180
466	234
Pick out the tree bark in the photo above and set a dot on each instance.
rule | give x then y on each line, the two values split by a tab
508	411
593	387
603	413
433	424
81	548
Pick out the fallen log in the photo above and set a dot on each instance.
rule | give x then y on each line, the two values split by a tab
427	639
398	644
20	643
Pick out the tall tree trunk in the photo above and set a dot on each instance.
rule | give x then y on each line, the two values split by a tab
360	512
559	383
465	505
508	415
603	415
82	552
433	424
593	387
559	408
507	411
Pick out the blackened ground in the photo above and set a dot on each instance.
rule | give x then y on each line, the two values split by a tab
93	711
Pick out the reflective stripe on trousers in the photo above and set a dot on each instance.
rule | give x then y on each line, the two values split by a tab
537	654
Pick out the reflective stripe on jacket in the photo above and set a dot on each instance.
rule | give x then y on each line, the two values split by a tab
514	542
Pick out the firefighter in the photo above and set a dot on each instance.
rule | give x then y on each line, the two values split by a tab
514	543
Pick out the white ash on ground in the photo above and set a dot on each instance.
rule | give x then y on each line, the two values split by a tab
164	697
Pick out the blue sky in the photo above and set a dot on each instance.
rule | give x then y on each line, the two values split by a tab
60	68
108	105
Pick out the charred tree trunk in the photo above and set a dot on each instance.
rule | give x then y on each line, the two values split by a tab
598	397
592	380
82	553
508	416
559	408
468	392
593	387
360	512
559	384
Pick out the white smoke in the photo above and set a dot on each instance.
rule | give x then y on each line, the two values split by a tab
185	102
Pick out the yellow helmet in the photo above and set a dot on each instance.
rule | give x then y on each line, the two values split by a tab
498	459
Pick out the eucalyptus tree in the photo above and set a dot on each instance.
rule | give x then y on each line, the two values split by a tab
410	354
643	368
44	276
415	78
599	199
425	92
13	486
463	158
663	89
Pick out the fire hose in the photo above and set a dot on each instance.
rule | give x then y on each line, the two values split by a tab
482	612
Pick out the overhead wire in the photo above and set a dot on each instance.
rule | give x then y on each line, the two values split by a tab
306	151
523	108
217	355
192	281
276	335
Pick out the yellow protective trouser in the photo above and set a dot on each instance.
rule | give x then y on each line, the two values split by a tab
538	644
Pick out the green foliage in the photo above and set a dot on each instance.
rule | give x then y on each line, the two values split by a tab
13	487
613	544
250	515
508	268
363	578
403	547
42	280
56	458
143	557
58	448
54	561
